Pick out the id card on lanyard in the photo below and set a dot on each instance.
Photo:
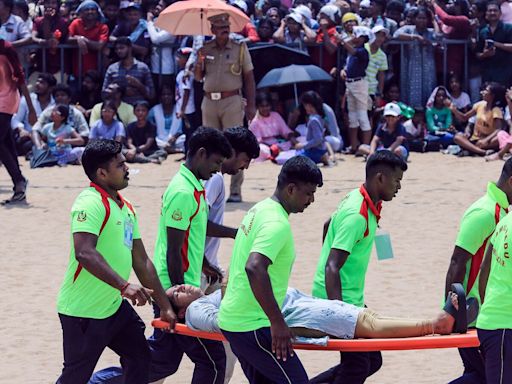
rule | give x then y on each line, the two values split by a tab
128	233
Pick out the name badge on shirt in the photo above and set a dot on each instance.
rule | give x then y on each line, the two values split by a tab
383	245
128	233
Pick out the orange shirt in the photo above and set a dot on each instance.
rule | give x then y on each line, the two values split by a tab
9	95
97	33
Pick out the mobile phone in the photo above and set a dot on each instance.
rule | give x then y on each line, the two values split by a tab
489	44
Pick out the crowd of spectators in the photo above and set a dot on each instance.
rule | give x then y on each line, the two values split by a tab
416	75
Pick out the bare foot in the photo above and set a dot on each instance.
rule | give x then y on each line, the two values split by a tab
493	157
443	324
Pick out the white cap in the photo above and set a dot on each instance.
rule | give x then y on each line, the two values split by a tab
380	28
331	11
364	4
297	17
240	4
392	109
303	10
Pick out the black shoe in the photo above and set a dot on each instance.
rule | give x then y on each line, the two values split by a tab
234	199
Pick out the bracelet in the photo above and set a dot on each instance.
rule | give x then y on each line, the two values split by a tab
123	288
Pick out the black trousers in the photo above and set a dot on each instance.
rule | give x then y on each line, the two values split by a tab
8	149
354	368
85	339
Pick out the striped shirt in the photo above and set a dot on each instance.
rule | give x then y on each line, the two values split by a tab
378	62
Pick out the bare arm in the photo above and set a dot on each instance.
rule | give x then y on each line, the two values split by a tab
175	238
219	230
326	228
374	143
457	268
485	269
335	262
257	273
460	115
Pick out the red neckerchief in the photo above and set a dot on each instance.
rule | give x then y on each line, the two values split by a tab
369	203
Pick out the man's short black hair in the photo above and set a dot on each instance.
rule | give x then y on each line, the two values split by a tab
299	169
61	88
8	4
506	171
97	154
243	140
48	78
210	139
123	40
384	159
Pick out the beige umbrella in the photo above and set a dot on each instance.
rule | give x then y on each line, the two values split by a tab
190	17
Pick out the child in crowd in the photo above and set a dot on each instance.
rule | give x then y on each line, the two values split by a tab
489	119
168	132
140	137
439	120
354	75
60	137
184	96
390	135
270	129
415	130
108	127
315	146
460	99
504	137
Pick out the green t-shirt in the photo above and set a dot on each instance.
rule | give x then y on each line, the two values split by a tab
477	225
265	229
352	229
497	307
183	207
81	293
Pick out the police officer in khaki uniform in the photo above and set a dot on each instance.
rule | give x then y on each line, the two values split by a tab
225	67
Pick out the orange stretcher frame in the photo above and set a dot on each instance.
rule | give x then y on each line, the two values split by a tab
467	340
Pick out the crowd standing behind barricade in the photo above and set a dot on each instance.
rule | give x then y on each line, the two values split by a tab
447	66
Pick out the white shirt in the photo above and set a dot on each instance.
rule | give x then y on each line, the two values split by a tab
181	86
215	197
20	118
14	29
462	101
159	36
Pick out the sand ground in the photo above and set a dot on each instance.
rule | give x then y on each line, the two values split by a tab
422	220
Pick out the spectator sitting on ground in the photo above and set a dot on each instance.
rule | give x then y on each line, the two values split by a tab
504	137
13	28
49	31
90	94
76	120
168	132
131	73
265	31
60	138
389	135
270	130
140	138
41	99
115	93
439	120
108	127
460	99
415	129
489	119
90	34
134	27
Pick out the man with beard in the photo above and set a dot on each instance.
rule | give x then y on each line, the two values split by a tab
106	244
131	73
348	241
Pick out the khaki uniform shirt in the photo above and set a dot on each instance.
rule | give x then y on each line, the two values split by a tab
223	68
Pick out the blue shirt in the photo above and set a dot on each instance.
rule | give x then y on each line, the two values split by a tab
387	138
315	133
100	130
357	63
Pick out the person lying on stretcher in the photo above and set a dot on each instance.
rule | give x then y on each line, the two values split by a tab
313	317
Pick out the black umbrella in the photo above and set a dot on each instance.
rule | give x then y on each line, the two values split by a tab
266	57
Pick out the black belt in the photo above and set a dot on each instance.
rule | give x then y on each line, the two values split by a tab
354	79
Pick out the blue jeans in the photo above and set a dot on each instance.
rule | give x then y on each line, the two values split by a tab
314	154
254	351
443	140
496	346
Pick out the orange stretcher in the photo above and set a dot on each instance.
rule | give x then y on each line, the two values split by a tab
467	340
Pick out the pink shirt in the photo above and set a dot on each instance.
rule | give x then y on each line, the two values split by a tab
9	95
506	12
268	129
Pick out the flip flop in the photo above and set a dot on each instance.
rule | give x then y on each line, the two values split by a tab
460	315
